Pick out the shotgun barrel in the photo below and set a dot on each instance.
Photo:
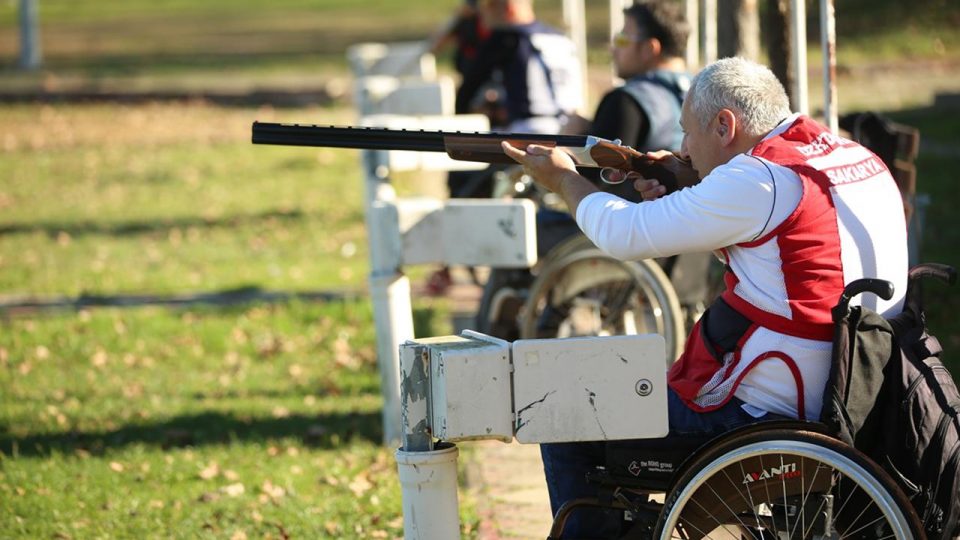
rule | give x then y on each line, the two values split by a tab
587	151
370	138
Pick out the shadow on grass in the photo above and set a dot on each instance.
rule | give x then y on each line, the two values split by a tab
230	297
212	428
52	228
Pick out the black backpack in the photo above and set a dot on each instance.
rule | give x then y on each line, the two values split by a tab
891	397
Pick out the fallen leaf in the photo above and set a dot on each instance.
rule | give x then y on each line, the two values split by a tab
210	471
331	480
273	491
99	358
234	490
360	485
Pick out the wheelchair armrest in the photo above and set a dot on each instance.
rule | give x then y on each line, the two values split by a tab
879	287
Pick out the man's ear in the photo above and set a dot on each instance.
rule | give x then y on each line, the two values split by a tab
726	128
655	46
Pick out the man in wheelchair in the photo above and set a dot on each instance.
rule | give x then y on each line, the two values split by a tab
795	213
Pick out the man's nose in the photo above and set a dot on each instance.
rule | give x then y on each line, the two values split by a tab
683	149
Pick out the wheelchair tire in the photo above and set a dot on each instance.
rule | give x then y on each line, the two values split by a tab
785	484
501	301
581	291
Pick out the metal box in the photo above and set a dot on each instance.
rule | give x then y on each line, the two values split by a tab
590	388
469	387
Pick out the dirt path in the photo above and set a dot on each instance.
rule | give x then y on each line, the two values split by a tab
507	483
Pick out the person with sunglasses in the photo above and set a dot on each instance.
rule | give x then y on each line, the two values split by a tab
644	113
648	53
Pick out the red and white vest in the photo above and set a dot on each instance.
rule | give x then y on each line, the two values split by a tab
848	224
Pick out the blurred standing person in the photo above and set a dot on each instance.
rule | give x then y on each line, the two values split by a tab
536	65
526	77
466	31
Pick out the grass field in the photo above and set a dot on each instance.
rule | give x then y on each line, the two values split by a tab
254	419
220	422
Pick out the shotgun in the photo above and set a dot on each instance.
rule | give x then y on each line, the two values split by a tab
587	151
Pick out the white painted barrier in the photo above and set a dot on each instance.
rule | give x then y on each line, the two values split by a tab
473	386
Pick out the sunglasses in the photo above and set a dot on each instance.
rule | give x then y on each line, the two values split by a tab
622	40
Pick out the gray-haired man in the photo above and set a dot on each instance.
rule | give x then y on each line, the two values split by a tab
794	211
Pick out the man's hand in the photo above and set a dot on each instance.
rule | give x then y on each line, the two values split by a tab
546	165
681	174
553	169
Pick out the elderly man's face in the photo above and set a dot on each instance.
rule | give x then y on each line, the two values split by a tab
700	145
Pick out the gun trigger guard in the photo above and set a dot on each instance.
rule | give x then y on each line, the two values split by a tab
605	175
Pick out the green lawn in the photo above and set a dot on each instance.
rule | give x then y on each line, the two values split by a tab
154	423
259	420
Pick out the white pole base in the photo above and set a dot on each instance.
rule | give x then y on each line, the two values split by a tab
428	484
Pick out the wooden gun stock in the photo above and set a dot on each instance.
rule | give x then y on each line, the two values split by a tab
609	155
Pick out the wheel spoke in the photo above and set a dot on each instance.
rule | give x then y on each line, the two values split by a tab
766	487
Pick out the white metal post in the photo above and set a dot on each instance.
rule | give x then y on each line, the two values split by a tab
575	19
798	55
428	473
29	35
709	31
693	40
389	288
828	42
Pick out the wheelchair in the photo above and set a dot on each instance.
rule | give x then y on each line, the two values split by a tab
770	480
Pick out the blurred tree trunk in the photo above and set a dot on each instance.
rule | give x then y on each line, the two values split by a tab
738	29
778	42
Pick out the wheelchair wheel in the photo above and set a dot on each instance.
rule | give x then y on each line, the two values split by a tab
501	301
785	484
581	291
